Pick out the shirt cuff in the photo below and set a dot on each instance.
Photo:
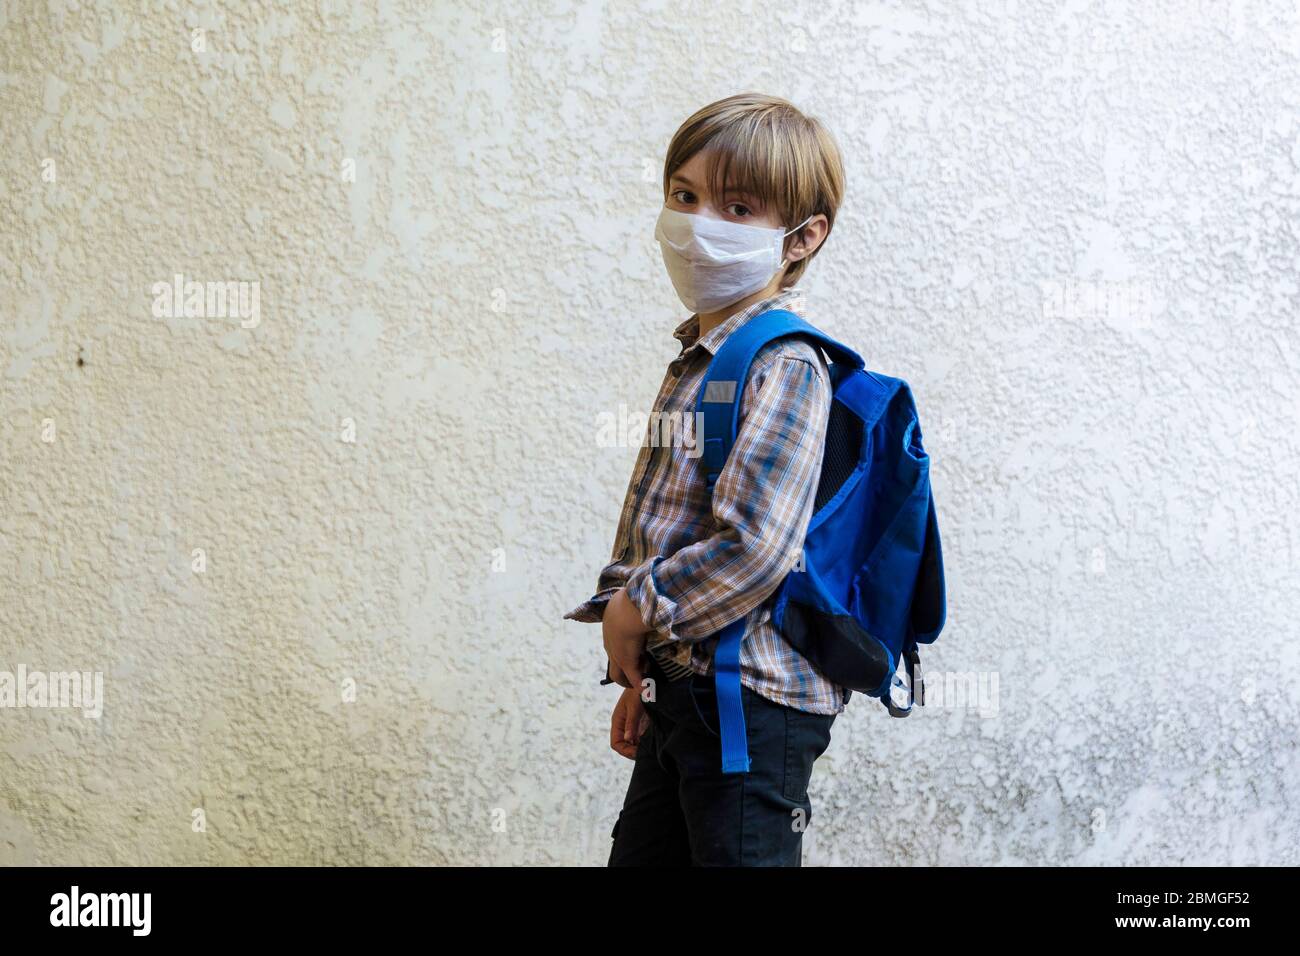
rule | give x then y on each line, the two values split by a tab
591	611
658	611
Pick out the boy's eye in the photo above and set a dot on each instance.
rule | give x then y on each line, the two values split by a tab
739	210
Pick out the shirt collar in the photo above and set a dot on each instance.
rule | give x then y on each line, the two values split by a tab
688	332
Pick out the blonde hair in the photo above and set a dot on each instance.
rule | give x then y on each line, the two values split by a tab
764	146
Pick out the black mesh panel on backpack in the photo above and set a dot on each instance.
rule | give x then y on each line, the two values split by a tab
843	448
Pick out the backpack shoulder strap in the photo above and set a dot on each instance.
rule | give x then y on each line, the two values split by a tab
718	408
719	399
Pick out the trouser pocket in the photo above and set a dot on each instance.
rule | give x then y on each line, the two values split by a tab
704	699
806	738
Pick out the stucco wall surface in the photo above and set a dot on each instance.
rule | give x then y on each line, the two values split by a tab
319	547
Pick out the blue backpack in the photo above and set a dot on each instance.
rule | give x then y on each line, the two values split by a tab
870	585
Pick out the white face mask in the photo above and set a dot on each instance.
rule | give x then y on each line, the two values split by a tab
715	262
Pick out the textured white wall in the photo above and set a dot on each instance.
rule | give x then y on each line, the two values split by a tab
448	213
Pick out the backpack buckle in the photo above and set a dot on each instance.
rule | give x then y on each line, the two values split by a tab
894	709
915	686
913	658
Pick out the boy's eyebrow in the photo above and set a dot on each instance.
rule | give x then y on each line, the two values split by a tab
729	191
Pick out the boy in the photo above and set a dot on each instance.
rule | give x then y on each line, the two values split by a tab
751	189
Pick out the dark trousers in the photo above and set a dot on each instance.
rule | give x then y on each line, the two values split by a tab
682	810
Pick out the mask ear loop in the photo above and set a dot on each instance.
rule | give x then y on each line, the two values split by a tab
800	226
790	233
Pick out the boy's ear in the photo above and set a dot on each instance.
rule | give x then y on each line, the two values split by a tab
807	240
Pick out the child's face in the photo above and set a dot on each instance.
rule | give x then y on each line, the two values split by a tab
688	191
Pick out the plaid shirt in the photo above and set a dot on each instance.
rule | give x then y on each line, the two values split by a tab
691	565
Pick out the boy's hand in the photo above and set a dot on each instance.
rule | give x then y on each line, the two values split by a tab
624	633
628	723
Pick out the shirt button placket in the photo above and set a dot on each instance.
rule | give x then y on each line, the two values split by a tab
646	460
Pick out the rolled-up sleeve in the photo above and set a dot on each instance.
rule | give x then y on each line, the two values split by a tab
592	611
762	505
